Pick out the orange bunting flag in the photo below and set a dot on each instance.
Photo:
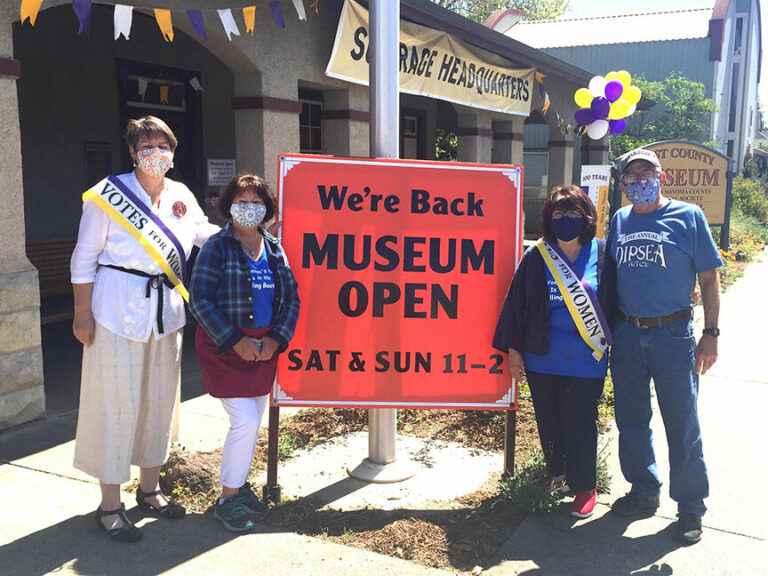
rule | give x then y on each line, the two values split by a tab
547	104
249	15
163	94
29	9
540	77
163	18
314	5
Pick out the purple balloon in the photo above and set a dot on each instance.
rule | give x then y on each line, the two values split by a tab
614	90
600	107
584	116
616	127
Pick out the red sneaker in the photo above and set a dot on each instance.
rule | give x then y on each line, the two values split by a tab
584	504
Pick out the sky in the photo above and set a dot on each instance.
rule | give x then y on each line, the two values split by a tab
581	8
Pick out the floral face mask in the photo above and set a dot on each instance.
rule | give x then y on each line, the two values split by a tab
156	161
248	215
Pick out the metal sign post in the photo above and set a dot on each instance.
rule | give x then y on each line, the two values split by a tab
381	464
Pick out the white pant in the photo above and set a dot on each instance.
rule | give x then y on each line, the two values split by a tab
245	416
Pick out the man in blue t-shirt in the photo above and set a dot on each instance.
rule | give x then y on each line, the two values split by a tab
659	247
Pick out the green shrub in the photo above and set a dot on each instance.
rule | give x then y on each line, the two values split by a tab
749	198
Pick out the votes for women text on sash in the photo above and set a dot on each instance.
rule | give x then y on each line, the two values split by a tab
127	210
580	300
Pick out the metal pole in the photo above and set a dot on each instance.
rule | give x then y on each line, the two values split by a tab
384	97
384	143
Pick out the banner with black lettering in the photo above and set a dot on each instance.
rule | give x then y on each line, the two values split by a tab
434	64
402	269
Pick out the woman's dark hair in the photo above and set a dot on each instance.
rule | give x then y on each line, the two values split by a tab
569	199
242	183
147	127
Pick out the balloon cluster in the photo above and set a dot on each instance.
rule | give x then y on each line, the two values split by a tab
604	105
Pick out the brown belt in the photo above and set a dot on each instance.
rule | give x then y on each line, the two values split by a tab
660	321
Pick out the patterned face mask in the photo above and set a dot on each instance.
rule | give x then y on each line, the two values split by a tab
156	161
643	192
248	215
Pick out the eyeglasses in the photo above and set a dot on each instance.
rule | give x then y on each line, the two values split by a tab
646	174
557	214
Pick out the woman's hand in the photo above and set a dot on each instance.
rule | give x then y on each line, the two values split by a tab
83	326
516	364
247	348
269	347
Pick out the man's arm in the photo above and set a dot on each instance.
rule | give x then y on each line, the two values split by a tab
706	350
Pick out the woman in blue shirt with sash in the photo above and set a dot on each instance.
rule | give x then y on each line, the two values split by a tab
245	298
554	328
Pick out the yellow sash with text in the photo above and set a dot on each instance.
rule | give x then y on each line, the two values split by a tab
120	204
584	311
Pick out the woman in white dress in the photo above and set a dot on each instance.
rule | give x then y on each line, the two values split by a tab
128	266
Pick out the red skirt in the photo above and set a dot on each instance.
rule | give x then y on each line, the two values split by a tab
229	376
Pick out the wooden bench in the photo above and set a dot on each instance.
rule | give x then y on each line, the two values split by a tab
51	257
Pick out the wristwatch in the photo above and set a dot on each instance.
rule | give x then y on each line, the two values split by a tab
715	332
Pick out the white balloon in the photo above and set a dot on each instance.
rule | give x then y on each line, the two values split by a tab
632	109
597	129
597	86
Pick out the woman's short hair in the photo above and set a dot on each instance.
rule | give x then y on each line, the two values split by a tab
569	199
240	184
148	127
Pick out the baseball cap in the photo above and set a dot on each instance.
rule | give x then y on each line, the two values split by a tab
637	154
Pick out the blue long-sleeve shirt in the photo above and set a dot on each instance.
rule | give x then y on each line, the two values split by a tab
221	292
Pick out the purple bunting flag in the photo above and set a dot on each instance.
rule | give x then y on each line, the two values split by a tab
196	18
82	9
277	14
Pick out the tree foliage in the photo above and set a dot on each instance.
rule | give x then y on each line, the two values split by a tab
681	113
479	10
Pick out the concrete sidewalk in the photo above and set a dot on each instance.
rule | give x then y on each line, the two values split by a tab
732	400
47	525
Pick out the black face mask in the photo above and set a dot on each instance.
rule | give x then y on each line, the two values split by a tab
567	228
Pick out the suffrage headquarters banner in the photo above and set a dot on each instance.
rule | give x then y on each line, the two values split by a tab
402	269
435	64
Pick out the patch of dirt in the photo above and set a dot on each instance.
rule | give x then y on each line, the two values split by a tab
460	534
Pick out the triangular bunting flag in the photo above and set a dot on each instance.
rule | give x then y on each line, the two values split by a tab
29	9
299	5
540	77
165	23
249	15
196	18
82	9
195	83
314	5
547	103
163	94
228	21
123	20
277	14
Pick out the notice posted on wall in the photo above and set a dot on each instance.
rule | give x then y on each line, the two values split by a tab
402	269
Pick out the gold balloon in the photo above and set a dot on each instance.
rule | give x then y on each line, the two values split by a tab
624	77
583	98
632	95
618	110
612	76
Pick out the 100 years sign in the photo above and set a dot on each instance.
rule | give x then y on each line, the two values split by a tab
402	269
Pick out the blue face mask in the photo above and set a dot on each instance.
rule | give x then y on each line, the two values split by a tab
643	192
567	228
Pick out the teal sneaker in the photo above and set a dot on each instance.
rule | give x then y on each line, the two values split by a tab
233	514
251	502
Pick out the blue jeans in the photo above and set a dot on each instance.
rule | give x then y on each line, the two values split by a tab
666	354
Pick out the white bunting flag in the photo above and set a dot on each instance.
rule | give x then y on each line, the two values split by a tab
299	5
195	83
123	20
228	21
142	87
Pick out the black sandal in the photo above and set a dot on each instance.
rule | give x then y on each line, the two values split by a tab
170	511
125	533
